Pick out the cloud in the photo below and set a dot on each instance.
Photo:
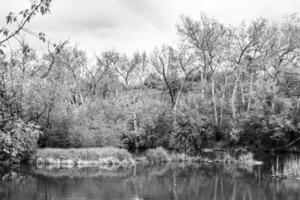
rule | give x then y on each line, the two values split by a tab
129	25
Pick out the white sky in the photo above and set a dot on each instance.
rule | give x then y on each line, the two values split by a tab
130	25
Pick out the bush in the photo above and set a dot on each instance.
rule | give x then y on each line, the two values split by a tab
265	132
158	155
18	141
192	133
159	132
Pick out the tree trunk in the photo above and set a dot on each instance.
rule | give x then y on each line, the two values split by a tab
135	130
233	97
242	93
223	99
214	97
202	84
250	93
176	102
275	90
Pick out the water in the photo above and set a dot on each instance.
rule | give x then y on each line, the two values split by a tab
161	182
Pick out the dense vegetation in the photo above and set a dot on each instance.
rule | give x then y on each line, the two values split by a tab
219	86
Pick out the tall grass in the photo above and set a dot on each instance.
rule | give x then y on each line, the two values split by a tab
84	156
291	168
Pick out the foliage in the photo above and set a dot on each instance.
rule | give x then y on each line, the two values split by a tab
266	131
159	132
18	141
193	133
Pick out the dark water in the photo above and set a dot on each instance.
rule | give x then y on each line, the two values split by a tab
161	182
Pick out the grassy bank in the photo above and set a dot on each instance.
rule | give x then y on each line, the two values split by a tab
85	156
112	158
160	155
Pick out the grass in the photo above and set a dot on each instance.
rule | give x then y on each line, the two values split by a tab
161	155
291	168
83	156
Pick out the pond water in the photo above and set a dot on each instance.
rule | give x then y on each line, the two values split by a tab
161	182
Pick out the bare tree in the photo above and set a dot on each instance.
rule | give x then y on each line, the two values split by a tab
208	38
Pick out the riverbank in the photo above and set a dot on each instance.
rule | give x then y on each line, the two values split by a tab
84	157
113	158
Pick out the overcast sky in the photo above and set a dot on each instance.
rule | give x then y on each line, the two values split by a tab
130	25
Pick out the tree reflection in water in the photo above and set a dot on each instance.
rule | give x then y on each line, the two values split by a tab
162	182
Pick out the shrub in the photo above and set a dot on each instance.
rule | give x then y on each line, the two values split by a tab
192	133
18	141
159	132
266	131
158	155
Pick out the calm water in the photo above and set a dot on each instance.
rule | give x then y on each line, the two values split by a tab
157	182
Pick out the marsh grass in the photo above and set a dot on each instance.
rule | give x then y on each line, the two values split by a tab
84	156
161	155
291	168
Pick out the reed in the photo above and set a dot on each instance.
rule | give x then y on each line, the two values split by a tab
291	168
83	156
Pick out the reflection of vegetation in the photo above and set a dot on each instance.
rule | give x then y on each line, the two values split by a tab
84	172
166	181
16	186
291	184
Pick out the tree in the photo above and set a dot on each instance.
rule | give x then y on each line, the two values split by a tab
23	18
246	45
209	39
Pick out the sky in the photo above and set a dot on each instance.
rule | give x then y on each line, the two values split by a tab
137	25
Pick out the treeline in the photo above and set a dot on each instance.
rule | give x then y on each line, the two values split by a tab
220	86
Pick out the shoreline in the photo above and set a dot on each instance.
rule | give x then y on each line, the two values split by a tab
113	158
